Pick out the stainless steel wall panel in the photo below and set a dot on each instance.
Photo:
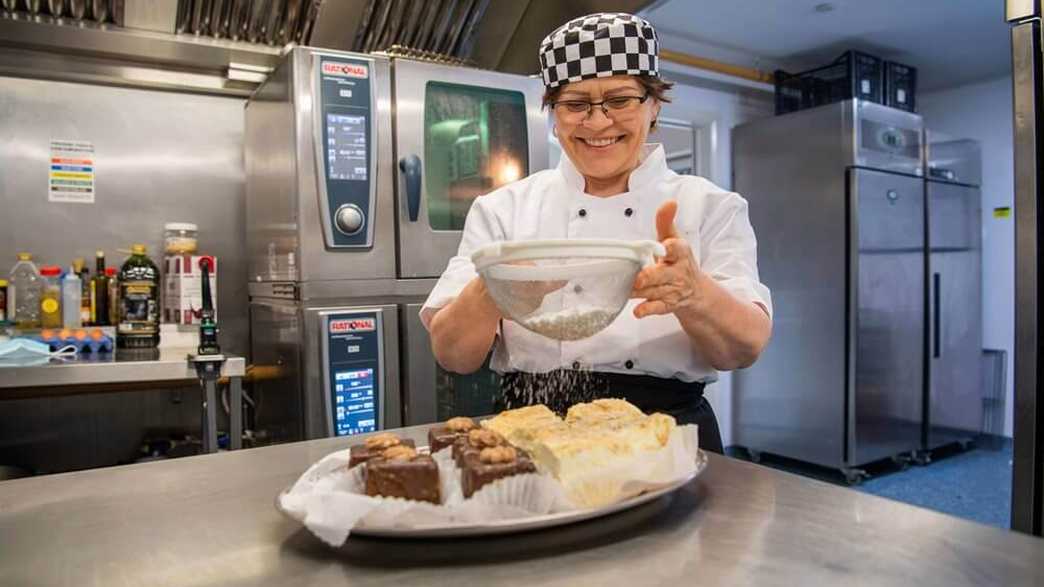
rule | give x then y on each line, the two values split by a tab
159	157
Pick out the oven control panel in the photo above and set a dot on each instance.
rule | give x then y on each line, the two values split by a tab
353	349
345	148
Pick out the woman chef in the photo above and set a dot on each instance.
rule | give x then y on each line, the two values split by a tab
699	309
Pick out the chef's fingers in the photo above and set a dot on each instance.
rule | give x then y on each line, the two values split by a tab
656	292
650	308
665	220
677	249
653	275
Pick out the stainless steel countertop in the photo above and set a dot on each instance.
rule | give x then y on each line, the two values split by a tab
121	366
210	520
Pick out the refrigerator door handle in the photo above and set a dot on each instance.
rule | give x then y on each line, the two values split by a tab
936	328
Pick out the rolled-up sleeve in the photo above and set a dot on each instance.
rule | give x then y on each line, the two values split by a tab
729	252
481	227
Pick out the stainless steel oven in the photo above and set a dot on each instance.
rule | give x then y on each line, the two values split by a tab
360	172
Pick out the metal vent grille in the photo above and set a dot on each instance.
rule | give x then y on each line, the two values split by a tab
436	29
266	22
100	11
269	22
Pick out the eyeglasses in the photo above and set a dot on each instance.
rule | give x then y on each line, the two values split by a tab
617	108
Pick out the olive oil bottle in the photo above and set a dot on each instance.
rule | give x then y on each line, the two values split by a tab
99	293
139	302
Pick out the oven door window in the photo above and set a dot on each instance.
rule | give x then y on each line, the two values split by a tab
475	141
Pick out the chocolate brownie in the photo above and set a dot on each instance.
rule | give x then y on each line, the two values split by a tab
401	472
374	446
442	436
474	442
493	463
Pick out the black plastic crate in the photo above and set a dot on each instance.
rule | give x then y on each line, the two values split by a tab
852	75
900	86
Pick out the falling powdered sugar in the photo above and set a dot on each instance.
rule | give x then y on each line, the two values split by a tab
571	323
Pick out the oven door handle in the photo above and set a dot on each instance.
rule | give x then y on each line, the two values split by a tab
410	166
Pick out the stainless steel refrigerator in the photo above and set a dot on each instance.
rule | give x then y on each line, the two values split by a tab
837	200
1027	496
954	402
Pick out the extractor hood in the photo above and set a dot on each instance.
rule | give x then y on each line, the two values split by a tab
228	46
493	34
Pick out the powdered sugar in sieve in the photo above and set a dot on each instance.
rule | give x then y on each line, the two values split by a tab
571	323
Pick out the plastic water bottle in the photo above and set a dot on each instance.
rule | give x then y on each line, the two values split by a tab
25	289
72	293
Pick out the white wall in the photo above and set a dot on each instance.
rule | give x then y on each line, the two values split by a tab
982	111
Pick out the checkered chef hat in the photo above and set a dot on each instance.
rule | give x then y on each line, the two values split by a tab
599	45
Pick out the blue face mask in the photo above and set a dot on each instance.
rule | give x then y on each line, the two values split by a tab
25	350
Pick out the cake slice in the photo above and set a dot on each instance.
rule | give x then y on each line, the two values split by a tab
591	460
401	472
486	466
474	442
528	418
603	410
440	437
373	446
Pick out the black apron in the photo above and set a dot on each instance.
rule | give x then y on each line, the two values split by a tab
562	388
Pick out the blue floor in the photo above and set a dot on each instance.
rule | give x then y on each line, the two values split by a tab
974	484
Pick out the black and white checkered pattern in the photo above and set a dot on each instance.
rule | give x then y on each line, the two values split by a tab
599	45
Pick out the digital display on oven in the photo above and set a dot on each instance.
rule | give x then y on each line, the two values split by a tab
355	402
346	149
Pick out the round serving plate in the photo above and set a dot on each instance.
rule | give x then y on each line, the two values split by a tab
521	524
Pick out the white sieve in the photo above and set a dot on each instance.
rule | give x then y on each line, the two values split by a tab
565	289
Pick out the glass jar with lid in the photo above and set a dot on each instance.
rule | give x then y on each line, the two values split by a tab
180	238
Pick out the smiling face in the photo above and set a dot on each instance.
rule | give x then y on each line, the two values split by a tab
604	149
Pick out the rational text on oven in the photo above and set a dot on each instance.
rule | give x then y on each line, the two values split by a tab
352	325
345	69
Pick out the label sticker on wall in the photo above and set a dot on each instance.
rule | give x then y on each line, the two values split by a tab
1004	212
71	172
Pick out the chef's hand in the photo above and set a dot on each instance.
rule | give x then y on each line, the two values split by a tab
672	283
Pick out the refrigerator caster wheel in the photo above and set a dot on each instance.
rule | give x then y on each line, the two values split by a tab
755	455
854	476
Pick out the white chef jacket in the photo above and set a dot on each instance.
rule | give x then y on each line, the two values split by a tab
548	204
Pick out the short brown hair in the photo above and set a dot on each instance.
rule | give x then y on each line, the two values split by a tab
653	86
